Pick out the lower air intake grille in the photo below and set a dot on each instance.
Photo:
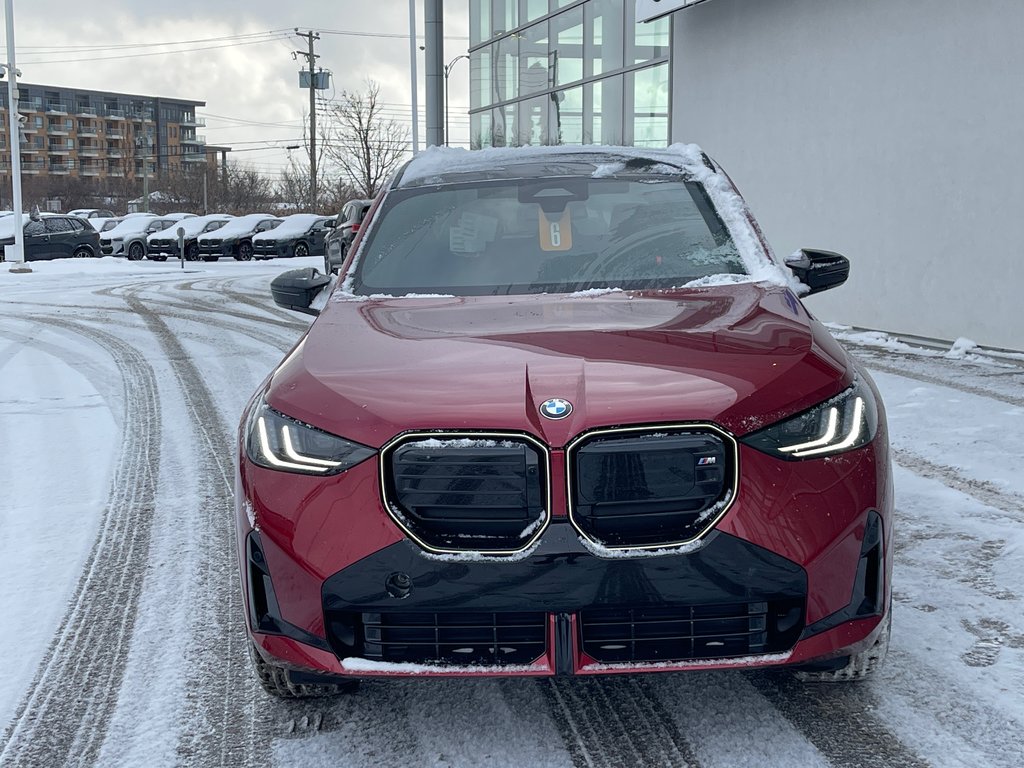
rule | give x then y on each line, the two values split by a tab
455	638
467	493
683	633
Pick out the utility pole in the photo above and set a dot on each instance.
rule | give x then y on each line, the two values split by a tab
14	132
412	69
433	69
311	58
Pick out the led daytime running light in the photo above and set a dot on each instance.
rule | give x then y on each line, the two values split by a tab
268	454
850	439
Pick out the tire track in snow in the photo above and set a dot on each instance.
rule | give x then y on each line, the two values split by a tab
211	317
64	717
943	378
225	712
983	491
836	718
613	722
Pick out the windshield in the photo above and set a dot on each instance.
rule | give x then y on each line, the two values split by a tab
547	235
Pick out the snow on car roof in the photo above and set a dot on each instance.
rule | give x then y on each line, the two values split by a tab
241	225
440	164
296	224
195	224
130	226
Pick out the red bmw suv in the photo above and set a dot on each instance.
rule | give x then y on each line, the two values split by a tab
563	414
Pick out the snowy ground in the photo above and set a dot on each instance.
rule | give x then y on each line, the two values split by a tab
120	388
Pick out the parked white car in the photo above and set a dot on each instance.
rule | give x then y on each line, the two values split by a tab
112	241
135	244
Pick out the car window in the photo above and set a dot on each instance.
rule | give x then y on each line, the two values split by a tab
57	224
35	228
545	235
214	225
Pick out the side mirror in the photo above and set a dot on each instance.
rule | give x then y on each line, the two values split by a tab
297	288
819	270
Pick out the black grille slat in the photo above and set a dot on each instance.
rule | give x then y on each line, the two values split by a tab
466	493
686	632
650	489
456	638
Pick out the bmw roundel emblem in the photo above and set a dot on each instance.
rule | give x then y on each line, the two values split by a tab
555	408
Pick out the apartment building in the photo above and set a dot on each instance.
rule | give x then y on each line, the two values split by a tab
102	134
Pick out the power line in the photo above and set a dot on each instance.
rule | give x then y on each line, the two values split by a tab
151	53
149	44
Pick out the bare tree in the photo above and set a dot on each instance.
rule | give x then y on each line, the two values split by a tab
246	191
367	146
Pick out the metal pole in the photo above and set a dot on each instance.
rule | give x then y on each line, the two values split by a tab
145	173
311	58
312	128
14	131
447	72
433	31
412	69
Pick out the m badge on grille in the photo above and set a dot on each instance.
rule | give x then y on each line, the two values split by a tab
555	408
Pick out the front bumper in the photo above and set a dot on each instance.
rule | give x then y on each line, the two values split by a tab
778	582
218	249
273	251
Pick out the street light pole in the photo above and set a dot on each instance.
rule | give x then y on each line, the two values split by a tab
447	72
14	131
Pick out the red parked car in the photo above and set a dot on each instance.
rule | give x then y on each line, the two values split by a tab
563	415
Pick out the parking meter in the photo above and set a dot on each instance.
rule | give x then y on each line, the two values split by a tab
181	246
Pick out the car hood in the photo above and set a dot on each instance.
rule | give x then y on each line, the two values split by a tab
741	356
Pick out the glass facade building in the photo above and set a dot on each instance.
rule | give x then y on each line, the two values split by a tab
567	72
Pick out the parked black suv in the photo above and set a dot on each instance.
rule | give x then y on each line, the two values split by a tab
57	237
346	227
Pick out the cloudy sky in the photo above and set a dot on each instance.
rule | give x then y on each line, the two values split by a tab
195	49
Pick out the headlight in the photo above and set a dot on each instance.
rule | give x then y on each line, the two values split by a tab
277	442
846	422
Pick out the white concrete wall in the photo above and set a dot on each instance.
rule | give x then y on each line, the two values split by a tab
891	131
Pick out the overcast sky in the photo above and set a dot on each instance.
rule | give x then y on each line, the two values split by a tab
247	81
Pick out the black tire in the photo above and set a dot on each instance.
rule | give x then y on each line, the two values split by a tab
859	666
192	252
244	251
274	680
301	250
136	252
82	252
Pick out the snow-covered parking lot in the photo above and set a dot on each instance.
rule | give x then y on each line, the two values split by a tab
121	384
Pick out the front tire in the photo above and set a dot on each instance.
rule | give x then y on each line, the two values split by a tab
136	252
274	680
301	250
244	252
192	252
